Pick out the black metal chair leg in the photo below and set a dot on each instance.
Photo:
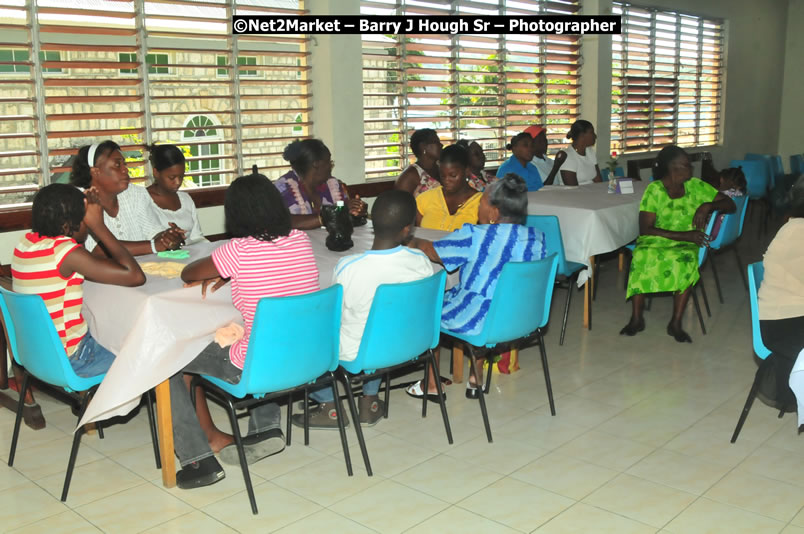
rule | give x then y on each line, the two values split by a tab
589	300
740	266
387	378
341	428
546	370
698	310
426	386
481	395
566	308
439	389
717	278
350	398
705	298
241	453
306	418
18	420
152	425
74	449
487	383
748	402
290	416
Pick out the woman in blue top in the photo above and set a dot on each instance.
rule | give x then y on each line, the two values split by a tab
480	251
520	164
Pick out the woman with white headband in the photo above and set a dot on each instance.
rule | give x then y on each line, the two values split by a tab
126	212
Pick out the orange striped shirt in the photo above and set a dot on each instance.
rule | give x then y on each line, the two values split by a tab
35	271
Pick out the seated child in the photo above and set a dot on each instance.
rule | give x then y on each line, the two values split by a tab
388	262
50	261
731	182
265	258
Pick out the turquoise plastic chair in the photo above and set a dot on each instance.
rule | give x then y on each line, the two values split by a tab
758	179
797	164
730	230
385	346
756	272
35	345
773	164
284	356
567	270
519	310
756	176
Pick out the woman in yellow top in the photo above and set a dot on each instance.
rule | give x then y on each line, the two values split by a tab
455	202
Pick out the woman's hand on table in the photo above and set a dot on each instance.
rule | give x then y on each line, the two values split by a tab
702	214
357	207
170	239
216	283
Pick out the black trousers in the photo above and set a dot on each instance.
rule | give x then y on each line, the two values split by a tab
785	339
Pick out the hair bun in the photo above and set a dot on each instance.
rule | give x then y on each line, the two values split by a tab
291	152
514	183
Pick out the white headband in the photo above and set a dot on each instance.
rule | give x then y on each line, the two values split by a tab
91	154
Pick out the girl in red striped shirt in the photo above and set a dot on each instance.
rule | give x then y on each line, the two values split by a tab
49	261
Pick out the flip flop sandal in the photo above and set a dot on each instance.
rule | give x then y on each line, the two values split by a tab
415	391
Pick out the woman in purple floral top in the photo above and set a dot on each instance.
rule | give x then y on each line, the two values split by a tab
310	184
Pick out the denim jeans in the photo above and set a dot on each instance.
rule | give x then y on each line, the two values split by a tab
370	388
189	440
91	358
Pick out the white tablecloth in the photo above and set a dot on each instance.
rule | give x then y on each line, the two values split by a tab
158	328
592	220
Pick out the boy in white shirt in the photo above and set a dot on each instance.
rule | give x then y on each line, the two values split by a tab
388	262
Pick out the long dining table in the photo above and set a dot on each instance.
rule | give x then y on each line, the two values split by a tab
156	329
593	221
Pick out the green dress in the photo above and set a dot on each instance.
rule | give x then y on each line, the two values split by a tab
660	264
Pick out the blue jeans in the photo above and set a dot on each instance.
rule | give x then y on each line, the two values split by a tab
91	358
370	388
189	440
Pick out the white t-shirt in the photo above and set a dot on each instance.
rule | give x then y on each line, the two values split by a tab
185	217
134	222
545	167
781	295
360	275
582	166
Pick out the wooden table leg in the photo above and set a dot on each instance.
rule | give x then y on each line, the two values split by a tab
164	423
457	363
621	260
587	300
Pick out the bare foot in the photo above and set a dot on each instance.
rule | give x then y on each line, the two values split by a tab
219	440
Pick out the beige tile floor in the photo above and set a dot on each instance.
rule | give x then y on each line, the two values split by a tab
640	443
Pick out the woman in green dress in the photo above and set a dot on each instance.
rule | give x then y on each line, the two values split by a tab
672	215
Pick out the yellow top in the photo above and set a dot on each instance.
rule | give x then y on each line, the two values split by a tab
435	214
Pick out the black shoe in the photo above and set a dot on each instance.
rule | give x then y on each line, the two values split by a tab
473	392
679	335
632	330
201	473
256	446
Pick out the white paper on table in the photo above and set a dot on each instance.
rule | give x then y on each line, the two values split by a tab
626	187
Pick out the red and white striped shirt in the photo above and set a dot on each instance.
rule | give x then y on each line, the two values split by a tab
280	268
35	271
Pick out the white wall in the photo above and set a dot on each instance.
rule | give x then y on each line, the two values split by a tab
791	139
